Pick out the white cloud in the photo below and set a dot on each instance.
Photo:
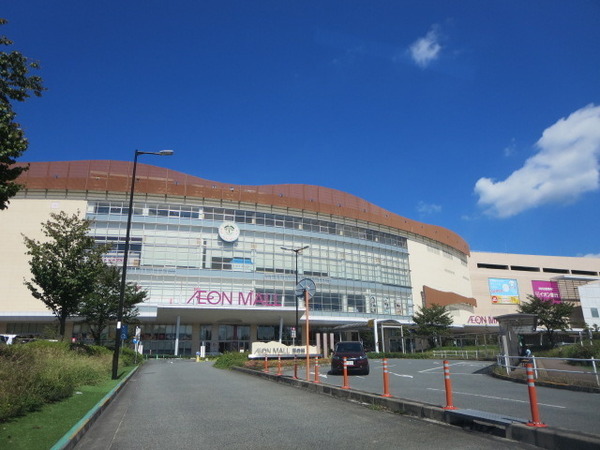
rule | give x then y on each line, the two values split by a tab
426	49
565	167
428	208
592	255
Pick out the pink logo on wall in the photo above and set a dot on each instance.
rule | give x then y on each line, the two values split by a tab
220	298
546	290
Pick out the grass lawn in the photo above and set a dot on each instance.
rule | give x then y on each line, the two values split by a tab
42	429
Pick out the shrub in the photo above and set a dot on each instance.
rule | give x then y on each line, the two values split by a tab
41	372
585	351
231	359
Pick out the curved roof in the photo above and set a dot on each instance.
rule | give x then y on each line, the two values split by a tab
114	176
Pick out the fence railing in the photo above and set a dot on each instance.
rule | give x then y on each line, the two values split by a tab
584	370
463	354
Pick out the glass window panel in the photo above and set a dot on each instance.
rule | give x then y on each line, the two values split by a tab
225	332
266	333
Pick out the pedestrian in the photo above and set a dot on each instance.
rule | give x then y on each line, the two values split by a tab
525	355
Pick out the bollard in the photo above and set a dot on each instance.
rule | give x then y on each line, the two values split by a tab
317	380
535	413
386	379
448	385
279	372
345	371
266	369
295	367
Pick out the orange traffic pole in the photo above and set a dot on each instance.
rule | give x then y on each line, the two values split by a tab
386	379
448	384
535	413
306	301
279	372
345	371
317	370
266	369
295	367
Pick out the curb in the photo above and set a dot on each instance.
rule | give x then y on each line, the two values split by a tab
548	438
70	439
550	384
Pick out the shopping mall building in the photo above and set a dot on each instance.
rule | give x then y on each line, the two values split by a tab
220	262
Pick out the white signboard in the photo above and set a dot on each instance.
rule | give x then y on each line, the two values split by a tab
274	349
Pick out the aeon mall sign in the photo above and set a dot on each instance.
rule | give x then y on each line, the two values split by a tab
250	299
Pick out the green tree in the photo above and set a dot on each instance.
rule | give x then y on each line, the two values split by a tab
64	267
101	306
16	84
551	315
434	323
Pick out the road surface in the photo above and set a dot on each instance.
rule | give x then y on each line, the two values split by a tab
188	405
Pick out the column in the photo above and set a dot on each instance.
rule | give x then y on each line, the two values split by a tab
195	338
177	325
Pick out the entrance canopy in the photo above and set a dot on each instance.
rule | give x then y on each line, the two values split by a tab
262	316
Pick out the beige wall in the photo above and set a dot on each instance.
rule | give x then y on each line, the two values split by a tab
24	217
479	277
435	268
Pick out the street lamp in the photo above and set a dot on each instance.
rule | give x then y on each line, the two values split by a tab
296	251
115	363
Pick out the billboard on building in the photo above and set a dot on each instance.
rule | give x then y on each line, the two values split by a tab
546	290
504	291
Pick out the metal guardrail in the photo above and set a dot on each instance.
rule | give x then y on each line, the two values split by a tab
511	363
462	354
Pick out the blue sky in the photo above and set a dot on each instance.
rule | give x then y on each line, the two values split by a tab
481	117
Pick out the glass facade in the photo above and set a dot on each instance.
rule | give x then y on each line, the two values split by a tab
176	254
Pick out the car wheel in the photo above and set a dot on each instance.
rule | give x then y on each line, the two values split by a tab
366	371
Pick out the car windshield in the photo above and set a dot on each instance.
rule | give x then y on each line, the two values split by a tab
349	347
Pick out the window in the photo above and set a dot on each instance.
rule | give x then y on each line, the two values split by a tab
205	332
491	266
225	332
525	268
551	270
584	272
595	312
266	333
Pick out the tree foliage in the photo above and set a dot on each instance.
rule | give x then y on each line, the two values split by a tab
434	322
64	267
551	315
16	84
101	306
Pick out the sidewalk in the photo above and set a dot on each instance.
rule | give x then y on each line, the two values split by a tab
561	372
557	373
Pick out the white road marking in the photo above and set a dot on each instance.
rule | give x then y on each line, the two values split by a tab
497	398
441	368
402	375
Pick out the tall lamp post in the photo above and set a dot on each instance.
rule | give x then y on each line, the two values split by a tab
296	251
115	363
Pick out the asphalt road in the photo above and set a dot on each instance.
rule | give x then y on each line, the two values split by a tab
423	381
184	404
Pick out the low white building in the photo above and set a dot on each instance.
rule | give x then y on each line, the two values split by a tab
590	303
